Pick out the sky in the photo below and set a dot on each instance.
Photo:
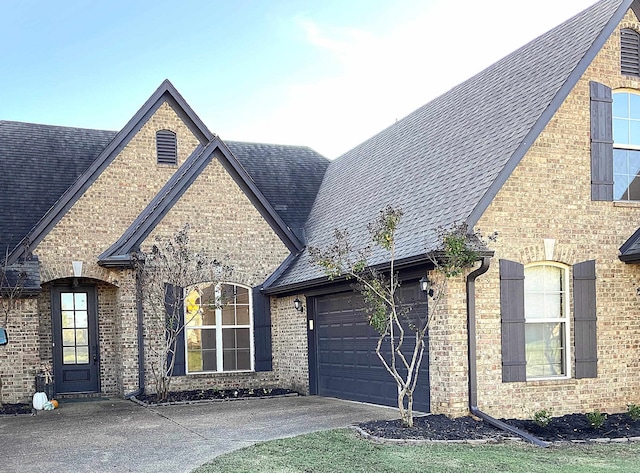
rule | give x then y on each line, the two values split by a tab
326	74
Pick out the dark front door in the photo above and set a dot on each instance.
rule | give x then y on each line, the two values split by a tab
75	339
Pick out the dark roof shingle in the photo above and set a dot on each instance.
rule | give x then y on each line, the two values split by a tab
288	176
443	163
38	163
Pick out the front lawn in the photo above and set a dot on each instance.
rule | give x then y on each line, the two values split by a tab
343	451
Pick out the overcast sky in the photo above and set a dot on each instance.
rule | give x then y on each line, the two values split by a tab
327	74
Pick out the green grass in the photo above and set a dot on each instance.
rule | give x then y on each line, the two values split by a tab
343	451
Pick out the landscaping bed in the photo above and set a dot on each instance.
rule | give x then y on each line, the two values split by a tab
198	395
573	427
15	409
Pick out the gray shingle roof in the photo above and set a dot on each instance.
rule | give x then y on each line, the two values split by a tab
443	163
23	276
288	176
42	162
37	164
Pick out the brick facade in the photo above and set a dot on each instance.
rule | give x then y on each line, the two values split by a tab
19	360
542	212
548	197
223	222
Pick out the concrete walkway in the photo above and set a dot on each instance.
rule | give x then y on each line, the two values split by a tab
117	435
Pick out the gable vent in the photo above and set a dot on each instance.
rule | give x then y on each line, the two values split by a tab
630	52
167	146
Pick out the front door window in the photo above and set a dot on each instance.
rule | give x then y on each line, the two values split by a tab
75	328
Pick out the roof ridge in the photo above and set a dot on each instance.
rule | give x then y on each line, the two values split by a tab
46	125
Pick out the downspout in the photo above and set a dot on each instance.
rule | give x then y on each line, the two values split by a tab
140	328
473	373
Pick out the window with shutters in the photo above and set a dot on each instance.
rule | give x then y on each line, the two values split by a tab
167	147
534	311
218	332
629	52
546	313
626	145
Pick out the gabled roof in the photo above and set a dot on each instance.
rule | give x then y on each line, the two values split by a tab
630	250
288	176
119	253
46	221
264	172
38	163
444	163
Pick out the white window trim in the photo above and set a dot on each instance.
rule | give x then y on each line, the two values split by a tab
566	320
218	329
624	90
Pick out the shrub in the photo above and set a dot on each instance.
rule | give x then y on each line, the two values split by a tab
633	411
542	417
596	418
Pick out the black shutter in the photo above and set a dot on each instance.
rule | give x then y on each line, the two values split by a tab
262	330
514	362
167	147
629	52
601	142
584	308
174	295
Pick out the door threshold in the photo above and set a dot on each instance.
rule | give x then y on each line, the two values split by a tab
80	396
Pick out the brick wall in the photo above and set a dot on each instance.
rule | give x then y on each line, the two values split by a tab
448	366
548	197
223	223
19	359
290	350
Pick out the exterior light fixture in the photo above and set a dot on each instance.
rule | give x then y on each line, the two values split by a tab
425	286
298	305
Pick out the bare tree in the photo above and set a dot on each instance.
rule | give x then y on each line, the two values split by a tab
162	275
387	313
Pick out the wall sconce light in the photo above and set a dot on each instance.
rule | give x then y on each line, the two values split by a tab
424	285
298	305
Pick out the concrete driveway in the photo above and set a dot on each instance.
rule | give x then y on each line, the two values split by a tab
117	435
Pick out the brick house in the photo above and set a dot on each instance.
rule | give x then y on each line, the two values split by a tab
541	148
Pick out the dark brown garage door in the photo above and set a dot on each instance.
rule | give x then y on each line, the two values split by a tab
346	365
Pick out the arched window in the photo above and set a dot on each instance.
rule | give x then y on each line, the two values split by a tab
626	145
218	331
167	147
546	310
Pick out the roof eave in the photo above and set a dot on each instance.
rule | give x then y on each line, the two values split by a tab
400	265
630	259
117	261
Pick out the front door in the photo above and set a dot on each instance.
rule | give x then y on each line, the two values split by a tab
75	339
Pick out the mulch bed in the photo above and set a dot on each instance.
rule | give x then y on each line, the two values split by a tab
15	409
566	428
215	394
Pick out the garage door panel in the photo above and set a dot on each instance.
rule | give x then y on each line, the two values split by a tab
347	365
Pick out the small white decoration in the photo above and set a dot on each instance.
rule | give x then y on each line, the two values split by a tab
549	248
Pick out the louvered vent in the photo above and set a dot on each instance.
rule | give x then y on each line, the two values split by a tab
630	52
167	146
